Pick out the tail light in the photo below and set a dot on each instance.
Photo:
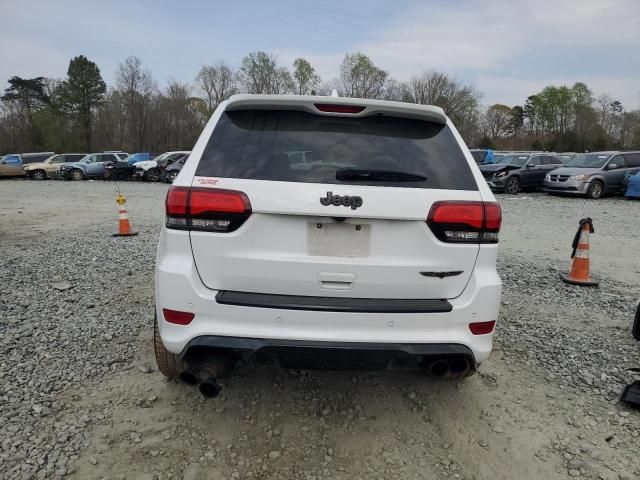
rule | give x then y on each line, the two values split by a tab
177	317
465	222
482	328
206	209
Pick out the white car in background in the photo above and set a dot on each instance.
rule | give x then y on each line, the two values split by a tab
151	170
377	249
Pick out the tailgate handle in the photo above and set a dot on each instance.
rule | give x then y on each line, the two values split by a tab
337	280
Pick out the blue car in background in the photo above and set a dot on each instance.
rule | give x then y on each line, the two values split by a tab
91	165
138	157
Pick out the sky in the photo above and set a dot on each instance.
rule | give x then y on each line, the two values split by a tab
506	49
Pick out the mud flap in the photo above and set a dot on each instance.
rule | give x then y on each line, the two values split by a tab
631	394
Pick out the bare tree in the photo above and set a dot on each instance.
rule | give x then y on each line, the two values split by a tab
498	121
360	78
137	87
259	73
458	100
218	82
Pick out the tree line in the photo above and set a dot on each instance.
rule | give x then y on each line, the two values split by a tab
82	113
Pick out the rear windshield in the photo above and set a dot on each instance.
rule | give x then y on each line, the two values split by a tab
295	146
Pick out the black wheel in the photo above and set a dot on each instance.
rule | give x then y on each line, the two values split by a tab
636	325
152	175
38	175
172	176
513	186
595	190
76	175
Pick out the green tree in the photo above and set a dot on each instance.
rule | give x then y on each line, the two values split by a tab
517	119
81	93
30	95
304	77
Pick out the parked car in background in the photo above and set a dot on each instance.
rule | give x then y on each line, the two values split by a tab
519	171
91	165
593	174
566	156
153	170
496	157
118	170
171	171
49	168
121	155
137	157
12	164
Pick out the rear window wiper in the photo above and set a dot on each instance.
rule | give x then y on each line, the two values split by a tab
365	174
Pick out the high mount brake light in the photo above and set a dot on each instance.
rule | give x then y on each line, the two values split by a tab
206	209
335	108
465	222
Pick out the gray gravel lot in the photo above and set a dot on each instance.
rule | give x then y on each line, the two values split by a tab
80	396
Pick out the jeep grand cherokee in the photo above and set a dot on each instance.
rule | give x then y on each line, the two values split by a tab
376	248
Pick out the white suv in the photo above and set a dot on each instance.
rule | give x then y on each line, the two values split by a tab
323	232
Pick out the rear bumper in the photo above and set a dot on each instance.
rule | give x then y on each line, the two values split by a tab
178	287
328	355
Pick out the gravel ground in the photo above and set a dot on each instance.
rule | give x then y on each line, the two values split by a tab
80	396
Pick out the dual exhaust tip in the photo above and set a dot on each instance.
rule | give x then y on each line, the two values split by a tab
447	367
206	374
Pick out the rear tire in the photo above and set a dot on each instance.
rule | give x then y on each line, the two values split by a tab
167	362
171	177
152	175
595	190
38	175
513	186
76	175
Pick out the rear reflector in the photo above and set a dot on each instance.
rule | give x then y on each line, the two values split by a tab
333	108
206	209
177	317
465	222
482	328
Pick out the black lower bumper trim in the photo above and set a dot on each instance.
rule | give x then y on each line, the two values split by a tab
333	304
302	354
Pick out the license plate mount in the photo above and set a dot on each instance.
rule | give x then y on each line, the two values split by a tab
342	239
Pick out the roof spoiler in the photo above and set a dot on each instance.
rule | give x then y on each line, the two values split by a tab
310	104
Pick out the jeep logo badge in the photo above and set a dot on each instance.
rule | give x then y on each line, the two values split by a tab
345	201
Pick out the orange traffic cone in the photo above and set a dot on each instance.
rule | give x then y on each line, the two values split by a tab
579	274
124	228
